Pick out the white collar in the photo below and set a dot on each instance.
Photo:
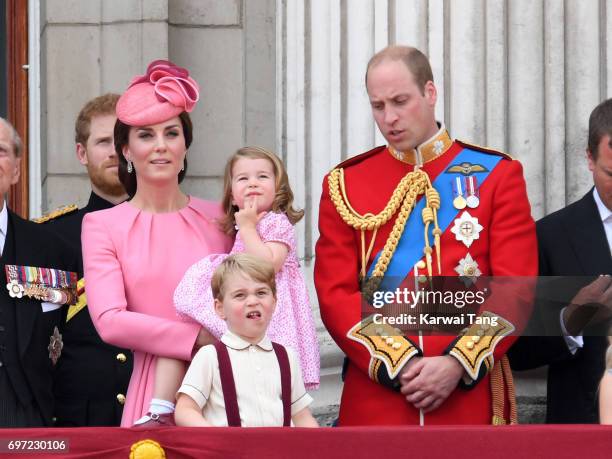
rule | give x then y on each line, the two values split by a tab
604	212
3	219
235	342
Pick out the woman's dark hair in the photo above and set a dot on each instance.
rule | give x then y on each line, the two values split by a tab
122	133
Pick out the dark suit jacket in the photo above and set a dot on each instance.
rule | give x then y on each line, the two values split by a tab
572	242
32	245
92	376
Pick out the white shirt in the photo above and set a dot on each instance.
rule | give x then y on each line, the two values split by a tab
257	379
3	226
606	217
576	342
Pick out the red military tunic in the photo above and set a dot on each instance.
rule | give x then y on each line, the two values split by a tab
506	247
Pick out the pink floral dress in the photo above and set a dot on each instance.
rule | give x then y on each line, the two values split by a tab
292	324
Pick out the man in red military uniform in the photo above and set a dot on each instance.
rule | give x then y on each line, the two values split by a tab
423	205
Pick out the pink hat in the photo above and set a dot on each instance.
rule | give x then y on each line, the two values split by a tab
164	92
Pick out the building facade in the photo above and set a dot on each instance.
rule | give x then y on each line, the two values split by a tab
520	76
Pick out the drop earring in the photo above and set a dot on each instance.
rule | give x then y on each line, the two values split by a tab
130	167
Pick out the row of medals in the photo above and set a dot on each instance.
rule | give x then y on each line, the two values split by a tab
465	190
467	228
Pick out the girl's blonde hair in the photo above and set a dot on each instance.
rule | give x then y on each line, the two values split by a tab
283	199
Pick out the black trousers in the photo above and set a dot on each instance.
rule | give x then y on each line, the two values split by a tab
12	412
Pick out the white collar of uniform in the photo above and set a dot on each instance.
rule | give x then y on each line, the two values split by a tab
3	220
236	342
604	212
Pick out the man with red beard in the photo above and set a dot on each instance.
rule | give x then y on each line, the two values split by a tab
420	207
92	377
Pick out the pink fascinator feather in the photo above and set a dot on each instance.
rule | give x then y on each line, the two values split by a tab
165	91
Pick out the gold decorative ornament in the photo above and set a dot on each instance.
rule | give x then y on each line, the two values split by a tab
147	449
402	201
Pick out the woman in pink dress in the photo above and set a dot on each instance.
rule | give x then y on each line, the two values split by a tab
136	253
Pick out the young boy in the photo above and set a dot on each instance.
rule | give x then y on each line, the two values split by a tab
245	379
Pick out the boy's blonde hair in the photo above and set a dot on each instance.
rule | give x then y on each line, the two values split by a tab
283	199
254	267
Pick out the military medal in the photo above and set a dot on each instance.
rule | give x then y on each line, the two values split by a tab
472	188
15	289
459	202
468	270
466	228
55	346
44	284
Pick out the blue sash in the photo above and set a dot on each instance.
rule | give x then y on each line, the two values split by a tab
410	246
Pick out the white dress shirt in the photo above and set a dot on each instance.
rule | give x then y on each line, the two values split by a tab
3	226
257	379
606	217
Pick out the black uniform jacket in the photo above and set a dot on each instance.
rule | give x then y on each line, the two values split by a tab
26	339
92	377
572	242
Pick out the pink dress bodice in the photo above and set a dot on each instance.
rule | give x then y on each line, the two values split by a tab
133	261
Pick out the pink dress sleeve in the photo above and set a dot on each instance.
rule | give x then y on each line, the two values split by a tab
193	298
108	308
276	227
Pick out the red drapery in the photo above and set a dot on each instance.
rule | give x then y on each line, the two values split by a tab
384	442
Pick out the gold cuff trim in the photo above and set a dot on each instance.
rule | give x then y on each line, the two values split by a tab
385	344
476	346
374	369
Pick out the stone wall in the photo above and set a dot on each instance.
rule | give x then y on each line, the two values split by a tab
89	47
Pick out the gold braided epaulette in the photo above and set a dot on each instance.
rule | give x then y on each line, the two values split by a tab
491	151
59	212
402	202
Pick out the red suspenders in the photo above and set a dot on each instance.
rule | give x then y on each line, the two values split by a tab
229	387
285	371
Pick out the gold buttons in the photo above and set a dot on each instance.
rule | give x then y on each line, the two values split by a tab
396	345
121	399
476	338
389	341
470	345
121	357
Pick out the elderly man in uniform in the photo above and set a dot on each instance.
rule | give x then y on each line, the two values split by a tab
92	376
423	205
570	337
40	277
